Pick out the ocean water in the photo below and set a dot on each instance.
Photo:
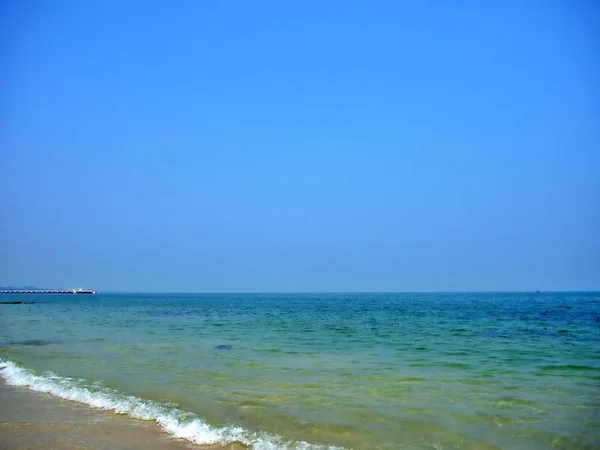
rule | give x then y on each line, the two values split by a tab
304	371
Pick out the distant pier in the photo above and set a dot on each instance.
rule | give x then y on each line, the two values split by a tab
47	291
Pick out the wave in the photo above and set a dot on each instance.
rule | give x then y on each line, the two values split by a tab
178	423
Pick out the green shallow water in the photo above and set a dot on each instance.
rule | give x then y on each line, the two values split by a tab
353	370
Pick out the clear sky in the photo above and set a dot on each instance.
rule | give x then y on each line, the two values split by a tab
300	146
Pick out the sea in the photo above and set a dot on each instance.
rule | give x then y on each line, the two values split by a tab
322	371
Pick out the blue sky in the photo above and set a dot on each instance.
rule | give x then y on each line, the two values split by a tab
300	146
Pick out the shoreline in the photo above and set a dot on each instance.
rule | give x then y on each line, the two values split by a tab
37	420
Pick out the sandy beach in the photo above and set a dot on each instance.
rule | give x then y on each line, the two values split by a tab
33	420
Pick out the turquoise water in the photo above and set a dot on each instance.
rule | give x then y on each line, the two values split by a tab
356	371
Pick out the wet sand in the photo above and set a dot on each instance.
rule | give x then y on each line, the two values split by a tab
34	420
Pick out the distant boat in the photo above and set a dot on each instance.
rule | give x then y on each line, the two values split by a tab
83	291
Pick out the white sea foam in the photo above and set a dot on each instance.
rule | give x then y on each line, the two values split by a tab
178	423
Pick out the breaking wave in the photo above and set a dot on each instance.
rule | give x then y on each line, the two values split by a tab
178	423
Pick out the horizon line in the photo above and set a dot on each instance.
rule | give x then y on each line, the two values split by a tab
111	291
